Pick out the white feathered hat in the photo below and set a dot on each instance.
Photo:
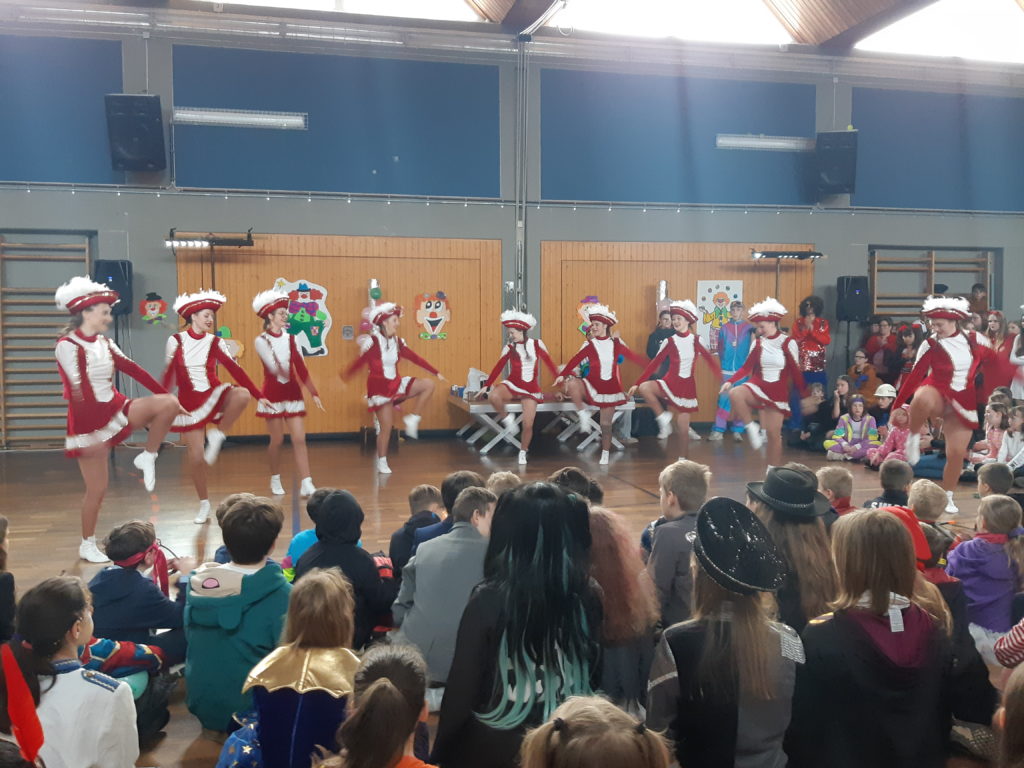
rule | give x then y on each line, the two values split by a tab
81	292
382	312
523	321
602	314
768	310
188	304
946	307
684	308
269	301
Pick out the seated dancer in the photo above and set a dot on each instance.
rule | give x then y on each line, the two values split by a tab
385	389
601	386
773	363
523	381
677	388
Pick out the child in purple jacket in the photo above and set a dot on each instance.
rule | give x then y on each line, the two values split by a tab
990	567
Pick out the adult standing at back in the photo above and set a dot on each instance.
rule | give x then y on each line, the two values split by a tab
663	330
812	334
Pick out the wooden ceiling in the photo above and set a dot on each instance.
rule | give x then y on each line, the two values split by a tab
840	23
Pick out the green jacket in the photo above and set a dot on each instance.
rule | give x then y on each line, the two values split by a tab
232	621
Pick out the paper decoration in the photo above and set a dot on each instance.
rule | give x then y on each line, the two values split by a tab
309	320
713	300
581	311
433	313
153	309
234	347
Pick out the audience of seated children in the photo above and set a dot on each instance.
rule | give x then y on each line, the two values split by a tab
338	529
996	423
816	425
875	690
306	538
451	487
573	480
1011	451
234	613
989	566
130	606
425	508
855	434
995	478
87	718
7	599
895	444
683	487
881	411
836	485
722	683
438	581
792	508
631	610
591	731
387	706
531	627
499	482
301	690
895	477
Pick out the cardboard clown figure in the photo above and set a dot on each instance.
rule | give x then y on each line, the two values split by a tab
309	319
153	309
433	313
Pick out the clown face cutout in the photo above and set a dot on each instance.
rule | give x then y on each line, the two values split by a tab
432	314
153	309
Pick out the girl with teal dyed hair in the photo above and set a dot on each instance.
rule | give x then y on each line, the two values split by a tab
530	636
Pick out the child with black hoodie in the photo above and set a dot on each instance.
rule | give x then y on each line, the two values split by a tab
426	507
895	476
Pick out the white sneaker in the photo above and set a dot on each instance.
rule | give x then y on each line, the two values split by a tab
833	456
204	512
382	466
737	436
307	488
913	449
716	436
276	489
694	434
509	422
604	457
214	440
664	420
146	463
522	457
951	507
754	435
412	426
586	422
88	550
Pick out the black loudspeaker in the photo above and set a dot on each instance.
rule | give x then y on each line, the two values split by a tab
836	159
853	300
118	275
136	131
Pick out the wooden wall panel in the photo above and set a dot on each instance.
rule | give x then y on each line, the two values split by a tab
625	276
469	271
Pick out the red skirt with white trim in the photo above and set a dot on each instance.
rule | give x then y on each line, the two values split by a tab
286	398
381	391
203	408
963	404
91	424
602	393
774	395
681	393
524	389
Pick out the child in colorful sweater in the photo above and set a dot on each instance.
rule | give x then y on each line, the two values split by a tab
855	434
896	441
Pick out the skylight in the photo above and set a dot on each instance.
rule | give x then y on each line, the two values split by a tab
441	10
985	30
715	21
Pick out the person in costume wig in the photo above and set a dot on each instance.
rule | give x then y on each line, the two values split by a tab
385	389
522	356
284	375
100	417
192	359
677	388
942	385
601	386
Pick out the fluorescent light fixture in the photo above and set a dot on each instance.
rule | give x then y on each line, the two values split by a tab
175	243
241	118
798	255
762	142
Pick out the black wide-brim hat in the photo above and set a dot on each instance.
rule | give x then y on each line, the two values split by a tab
735	548
790	492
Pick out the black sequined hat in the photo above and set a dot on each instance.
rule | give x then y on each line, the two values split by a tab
735	549
790	492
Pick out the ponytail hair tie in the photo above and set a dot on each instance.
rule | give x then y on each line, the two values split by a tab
1019	531
641	728
558	724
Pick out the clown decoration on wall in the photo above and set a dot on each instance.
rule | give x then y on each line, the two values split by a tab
433	313
713	300
581	311
309	320
153	309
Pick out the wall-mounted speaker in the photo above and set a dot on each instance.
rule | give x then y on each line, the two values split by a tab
118	275
135	128
836	160
853	299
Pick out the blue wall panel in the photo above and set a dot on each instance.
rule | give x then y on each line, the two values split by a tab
52	121
939	150
375	125
641	138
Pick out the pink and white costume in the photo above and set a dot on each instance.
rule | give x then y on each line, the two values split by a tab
523	371
681	350
284	369
894	447
772	365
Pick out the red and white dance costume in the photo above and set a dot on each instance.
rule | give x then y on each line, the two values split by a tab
678	387
523	380
100	417
284	375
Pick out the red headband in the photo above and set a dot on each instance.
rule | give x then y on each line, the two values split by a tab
160	577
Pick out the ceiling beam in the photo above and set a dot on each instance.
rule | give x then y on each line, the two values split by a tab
845	40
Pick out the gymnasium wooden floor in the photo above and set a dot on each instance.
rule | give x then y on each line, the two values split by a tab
41	492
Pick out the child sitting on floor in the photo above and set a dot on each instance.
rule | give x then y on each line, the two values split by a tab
996	423
895	476
895	441
1011	451
425	508
836	483
855	434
